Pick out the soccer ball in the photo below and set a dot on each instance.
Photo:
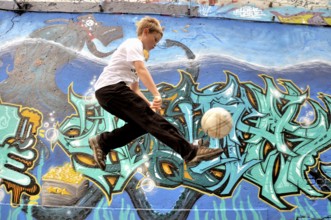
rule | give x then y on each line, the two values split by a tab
216	122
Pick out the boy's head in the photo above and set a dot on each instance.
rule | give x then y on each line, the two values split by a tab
150	32
152	24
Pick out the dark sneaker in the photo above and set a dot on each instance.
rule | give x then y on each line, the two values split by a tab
98	154
204	153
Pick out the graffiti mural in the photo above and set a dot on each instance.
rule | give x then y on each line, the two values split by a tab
283	11
276	162
19	127
306	12
310	12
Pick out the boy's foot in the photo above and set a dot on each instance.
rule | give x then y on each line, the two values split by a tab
204	153
98	154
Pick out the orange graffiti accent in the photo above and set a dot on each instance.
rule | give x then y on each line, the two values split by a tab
112	180
217	173
167	169
73	133
17	190
187	175
27	163
86	160
34	118
114	157
11	140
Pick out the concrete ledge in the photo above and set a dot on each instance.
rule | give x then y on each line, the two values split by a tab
106	7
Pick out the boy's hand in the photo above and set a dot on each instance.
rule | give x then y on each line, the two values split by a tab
157	103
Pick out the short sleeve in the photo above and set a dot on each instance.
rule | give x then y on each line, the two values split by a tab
135	51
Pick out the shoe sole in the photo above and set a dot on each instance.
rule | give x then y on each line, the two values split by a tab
206	157
93	142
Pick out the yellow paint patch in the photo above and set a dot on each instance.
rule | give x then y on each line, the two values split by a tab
42	133
186	173
57	190
327	20
297	19
113	156
34	118
86	160
112	180
217	174
167	168
33	200
65	174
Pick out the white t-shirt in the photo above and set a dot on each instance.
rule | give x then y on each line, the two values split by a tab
120	67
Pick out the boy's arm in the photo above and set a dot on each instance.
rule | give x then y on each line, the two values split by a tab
148	81
146	77
135	87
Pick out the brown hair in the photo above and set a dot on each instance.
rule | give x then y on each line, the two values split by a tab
151	23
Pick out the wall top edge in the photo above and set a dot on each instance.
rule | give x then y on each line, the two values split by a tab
96	6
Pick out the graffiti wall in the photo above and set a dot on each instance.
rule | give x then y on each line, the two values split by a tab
283	11
306	12
274	79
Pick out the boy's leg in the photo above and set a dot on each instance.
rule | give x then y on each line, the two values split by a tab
160	128
103	143
133	109
120	136
124	103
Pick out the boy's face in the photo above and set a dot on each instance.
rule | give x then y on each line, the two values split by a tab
150	39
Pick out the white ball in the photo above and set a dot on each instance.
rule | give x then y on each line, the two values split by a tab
216	122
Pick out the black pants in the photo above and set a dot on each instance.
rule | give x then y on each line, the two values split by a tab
121	101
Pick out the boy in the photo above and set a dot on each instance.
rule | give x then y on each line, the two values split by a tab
117	91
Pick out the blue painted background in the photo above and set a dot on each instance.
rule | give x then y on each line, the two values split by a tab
246	49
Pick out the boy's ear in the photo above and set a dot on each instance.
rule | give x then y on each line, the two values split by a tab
146	30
